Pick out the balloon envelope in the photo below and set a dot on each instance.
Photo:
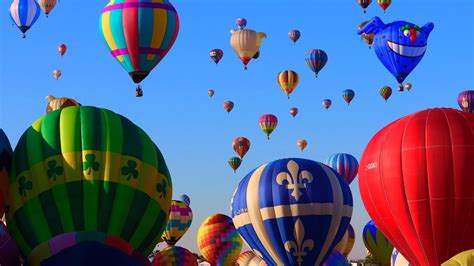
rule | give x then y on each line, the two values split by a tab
216	55
185	198
246	43
376	243
62	48
316	59
58	103
24	14
268	123
288	80
174	256
294	35
347	242
294	111
462	259
241	146
345	164
336	259
180	219
348	96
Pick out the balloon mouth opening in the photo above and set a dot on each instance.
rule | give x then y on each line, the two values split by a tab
24	29
138	76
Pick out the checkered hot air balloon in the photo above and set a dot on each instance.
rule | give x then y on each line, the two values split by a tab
292	211
175	256
180	219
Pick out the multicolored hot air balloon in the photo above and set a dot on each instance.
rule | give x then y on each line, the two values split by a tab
241	146
139	34
288	80
316	59
9	253
415	177
294	35
58	103
348	96
216	55
462	259
246	43
466	101
408	86
336	259
364	4
241	23
397	259
302	143
294	111
384	4
276	207
218	240
249	258
185	198
175	256
62	48
345	164
385	92
47	6
235	163
268	123
228	106
377	244
210	93
6	154
180	219
399	45
57	73
368	38
327	103
86	180
24	14
347	242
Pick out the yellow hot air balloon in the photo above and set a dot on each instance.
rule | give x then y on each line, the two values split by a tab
47	5
288	80
465	258
57	73
246	43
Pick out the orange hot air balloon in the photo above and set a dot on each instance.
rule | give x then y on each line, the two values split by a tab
57	73
301	143
408	86
241	146
47	6
228	106
62	48
210	93
246	43
368	38
288	80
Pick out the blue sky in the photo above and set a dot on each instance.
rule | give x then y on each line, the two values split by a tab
194	132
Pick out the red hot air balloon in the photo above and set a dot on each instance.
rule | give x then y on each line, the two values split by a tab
228	106
416	182
241	146
216	55
294	111
62	48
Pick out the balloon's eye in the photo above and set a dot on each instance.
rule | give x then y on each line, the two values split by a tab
418	33
406	33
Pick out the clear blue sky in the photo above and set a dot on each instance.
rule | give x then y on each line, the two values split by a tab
194	132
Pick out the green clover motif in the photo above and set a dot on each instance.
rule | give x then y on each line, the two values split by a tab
161	188
54	170
90	164
24	186
130	170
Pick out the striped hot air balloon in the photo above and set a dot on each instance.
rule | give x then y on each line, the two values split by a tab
47	6
294	111
384	4
268	123
24	14
377	243
139	34
326	103
88	181
180	219
364	4
294	35
216	55
348	96
234	163
175	256
345	164
241	146
288	80
316	59
385	92
6	154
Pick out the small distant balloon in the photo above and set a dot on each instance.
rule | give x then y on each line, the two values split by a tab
294	111
241	23
228	106
364	4
294	35
384	4
57	73
344	164
327	103
235	163
268	123
288	80
185	198
302	143
316	59
385	92
466	101
408	86
210	93
47	6
348	96
216	55
367	37
241	146
62	48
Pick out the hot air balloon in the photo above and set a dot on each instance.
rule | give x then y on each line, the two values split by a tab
218	240
62	48
235	163
398	259
294	111
316	59
87	181
384	4
268	123
58	103
24	14
377	244
288	80
185	198
348	96
466	101
216	55
210	93
294	35
241	146
408	86
246	43
399	45
347	242
301	143
47	6
9	253
241	23
180	219
385	92
327	103
277	206
249	258
228	106
139	34
6	153
368	38
175	256
57	73
336	259
345	164
364	4
462	259
415	181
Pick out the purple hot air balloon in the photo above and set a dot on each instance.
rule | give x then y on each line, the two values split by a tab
327	103
336	259
466	101
241	23
294	35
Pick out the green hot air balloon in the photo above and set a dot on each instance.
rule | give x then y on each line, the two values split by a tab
85	176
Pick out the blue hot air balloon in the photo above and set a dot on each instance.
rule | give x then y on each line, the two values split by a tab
316	59
24	14
345	164
292	211
336	259
399	45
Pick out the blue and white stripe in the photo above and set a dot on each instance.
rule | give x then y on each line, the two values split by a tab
24	13
345	164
